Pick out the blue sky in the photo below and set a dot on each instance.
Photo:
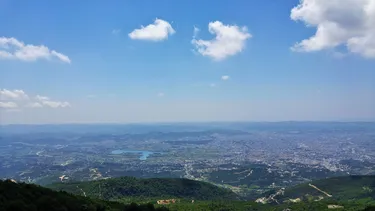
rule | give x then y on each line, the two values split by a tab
95	71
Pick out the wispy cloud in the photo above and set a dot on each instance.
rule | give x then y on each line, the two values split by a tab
55	104
16	94
47	102
11	48
8	105
34	105
10	99
41	98
195	32
225	77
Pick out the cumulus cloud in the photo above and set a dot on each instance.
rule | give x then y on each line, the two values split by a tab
11	48
158	31
8	105
23	100
229	40
16	94
338	22
225	77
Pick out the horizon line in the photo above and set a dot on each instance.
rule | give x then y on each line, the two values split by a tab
188	122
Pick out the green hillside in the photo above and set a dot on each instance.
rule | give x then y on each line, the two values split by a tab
28	197
341	188
350	193
130	187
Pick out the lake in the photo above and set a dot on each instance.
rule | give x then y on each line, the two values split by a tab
144	154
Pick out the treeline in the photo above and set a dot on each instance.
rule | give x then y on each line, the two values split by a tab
164	188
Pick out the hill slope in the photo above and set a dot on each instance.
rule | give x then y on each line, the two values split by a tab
340	188
117	188
28	197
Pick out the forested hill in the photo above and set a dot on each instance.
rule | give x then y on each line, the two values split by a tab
117	188
340	188
29	197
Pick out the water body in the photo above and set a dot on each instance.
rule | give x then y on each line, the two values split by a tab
144	154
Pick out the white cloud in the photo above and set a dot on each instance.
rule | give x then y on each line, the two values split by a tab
160	94
212	85
46	102
61	56
158	31
41	98
23	100
15	94
11	48
34	105
338	22
8	105
195	32
225	77
229	40
116	31
5	55
55	104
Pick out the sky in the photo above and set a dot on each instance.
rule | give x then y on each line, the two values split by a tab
185	61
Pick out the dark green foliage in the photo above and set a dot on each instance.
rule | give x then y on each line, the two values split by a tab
117	188
252	206
28	197
144	207
369	208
